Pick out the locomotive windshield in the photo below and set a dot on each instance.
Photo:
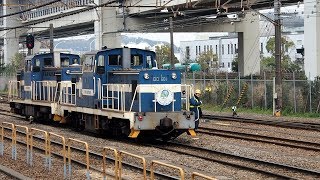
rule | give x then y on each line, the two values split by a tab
64	61
115	60
36	67
136	60
28	66
100	65
48	61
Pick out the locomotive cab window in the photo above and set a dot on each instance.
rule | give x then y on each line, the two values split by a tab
150	63
36	67
47	61
136	60
115	60
100	65
28	65
75	61
64	62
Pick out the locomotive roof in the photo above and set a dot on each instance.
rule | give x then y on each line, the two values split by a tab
108	49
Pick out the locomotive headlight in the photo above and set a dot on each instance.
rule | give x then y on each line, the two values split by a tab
146	75
174	76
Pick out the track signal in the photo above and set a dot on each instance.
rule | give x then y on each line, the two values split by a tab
30	41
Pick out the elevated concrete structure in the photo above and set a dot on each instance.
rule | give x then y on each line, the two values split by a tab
107	21
11	37
107	28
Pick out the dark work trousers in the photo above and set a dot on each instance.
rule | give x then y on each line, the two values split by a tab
197	124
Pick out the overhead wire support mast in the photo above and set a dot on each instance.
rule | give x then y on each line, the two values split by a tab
171	42
278	80
277	96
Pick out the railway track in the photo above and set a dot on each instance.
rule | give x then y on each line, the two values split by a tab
8	113
278	123
96	155
7	173
261	138
272	169
93	154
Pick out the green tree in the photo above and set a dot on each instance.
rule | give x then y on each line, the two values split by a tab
205	58
17	62
164	55
268	63
235	65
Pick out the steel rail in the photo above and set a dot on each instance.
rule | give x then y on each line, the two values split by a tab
197	152
12	173
278	123
91	154
260	138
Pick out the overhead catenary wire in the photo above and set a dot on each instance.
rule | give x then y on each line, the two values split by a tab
161	26
81	11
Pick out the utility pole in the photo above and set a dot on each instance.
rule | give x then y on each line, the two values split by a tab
51	38
171	41
278	78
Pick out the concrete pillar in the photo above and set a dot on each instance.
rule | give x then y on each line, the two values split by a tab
11	37
248	30
248	44
107	28
311	38
37	45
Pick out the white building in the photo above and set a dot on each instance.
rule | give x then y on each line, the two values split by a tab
226	47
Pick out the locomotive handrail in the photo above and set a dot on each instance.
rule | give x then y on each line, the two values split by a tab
45	89
134	96
14	89
56	93
94	85
99	88
188	92
114	88
64	93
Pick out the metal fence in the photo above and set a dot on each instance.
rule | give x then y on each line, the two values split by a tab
226	90
299	96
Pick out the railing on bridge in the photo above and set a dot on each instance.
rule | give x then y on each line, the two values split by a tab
53	9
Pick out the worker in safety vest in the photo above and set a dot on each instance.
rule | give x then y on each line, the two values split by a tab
195	107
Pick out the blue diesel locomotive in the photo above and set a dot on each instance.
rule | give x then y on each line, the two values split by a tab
116	91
